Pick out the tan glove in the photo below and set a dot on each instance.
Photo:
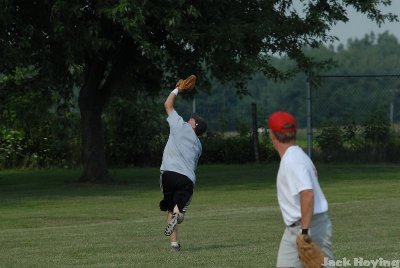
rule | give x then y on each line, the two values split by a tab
311	256
187	84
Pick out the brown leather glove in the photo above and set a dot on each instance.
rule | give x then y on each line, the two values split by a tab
311	256
187	84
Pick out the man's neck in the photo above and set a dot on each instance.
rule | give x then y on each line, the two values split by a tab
284	146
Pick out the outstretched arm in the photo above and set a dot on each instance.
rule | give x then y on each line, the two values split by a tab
169	103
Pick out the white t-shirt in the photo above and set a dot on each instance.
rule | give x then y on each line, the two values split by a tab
296	174
183	148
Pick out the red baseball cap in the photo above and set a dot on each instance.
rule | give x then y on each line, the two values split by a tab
282	122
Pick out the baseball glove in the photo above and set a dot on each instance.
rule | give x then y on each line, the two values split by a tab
187	84
311	256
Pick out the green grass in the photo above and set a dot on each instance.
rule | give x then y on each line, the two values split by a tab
233	221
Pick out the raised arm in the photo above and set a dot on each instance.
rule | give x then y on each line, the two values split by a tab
169	102
182	85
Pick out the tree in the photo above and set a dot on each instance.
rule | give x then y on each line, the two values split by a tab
104	46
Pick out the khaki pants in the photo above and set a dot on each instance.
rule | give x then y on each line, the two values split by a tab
321	233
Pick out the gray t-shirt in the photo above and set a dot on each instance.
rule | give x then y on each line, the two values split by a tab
183	148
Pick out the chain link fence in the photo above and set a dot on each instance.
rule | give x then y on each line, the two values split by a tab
343	99
332	111
223	114
354	115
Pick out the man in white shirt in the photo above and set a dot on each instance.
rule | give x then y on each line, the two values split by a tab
178	166
303	204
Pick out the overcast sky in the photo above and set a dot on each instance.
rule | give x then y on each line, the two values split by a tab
359	25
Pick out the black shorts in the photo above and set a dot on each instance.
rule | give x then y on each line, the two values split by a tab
177	190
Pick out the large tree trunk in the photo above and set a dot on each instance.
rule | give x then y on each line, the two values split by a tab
92	99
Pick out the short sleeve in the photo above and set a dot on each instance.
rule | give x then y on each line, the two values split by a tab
301	179
174	119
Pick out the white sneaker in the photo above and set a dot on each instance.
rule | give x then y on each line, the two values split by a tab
176	248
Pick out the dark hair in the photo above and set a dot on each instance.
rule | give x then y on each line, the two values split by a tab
285	137
201	125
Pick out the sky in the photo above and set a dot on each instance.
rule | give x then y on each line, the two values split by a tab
359	25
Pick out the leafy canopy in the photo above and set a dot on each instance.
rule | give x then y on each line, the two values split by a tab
146	42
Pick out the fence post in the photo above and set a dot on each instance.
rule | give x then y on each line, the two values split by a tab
309	116
255	132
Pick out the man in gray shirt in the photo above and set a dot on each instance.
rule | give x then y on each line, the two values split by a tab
178	166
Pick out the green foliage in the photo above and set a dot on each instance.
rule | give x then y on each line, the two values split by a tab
351	136
330	142
19	76
238	150
373	141
234	149
377	135
377	129
115	49
333	99
217	149
213	148
267	151
102	47
393	148
55	143
12	148
242	127
45	129
136	131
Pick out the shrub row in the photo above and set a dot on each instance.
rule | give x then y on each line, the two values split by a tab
374	141
51	147
234	149
18	151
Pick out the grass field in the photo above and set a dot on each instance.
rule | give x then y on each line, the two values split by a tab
48	221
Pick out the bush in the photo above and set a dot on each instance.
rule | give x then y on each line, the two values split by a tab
238	150
12	148
393	151
213	148
136	132
373	141
330	141
234	149
377	136
267	152
53	143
